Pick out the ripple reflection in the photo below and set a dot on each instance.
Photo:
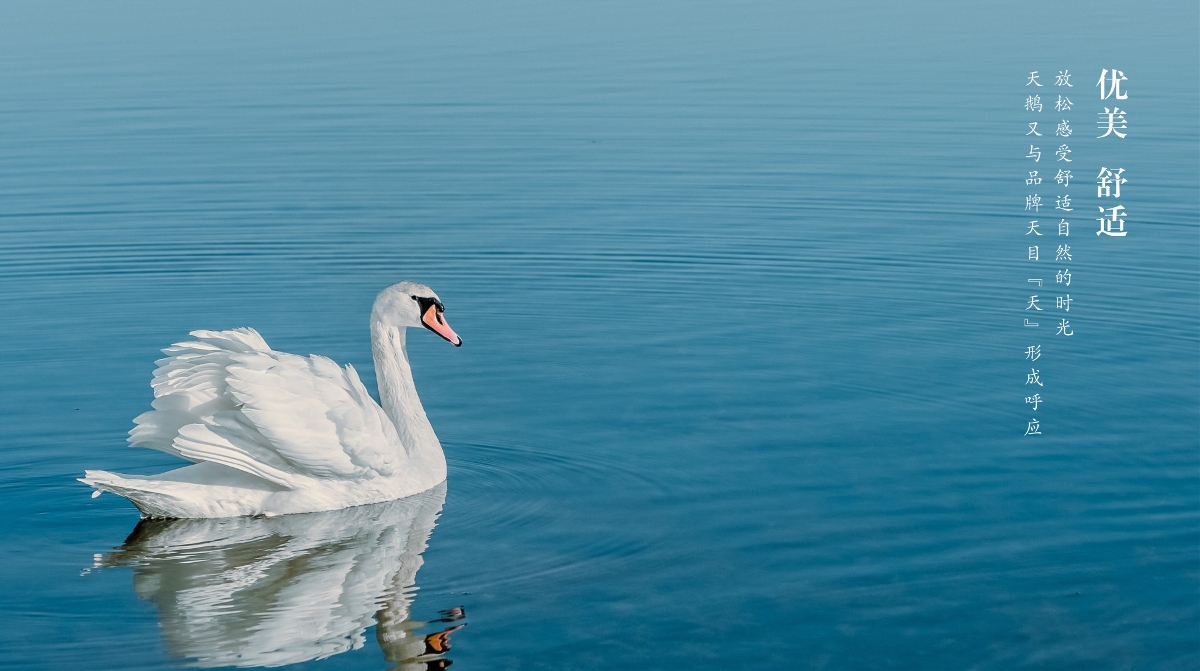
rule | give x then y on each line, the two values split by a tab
252	592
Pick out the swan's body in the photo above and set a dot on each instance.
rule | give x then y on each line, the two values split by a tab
274	433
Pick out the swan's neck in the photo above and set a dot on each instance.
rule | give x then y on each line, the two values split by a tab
398	394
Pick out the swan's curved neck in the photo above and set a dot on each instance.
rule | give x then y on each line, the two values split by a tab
398	393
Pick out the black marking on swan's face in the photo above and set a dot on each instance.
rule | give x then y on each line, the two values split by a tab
432	319
423	303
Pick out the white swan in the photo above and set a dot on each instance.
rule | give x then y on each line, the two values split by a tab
273	433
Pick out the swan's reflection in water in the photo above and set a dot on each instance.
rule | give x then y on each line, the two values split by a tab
270	592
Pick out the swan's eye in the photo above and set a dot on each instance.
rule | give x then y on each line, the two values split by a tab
425	302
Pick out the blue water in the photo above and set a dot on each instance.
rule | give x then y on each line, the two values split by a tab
741	288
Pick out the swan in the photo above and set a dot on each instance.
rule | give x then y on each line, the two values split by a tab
272	433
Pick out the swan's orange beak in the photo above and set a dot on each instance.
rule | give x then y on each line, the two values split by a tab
435	321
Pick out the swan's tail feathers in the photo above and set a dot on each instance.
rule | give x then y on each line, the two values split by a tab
151	500
184	492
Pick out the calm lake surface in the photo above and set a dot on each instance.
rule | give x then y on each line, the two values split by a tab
741	289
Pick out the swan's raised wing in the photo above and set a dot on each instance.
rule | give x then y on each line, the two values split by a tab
228	398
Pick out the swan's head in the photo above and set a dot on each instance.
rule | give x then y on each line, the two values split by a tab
411	305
